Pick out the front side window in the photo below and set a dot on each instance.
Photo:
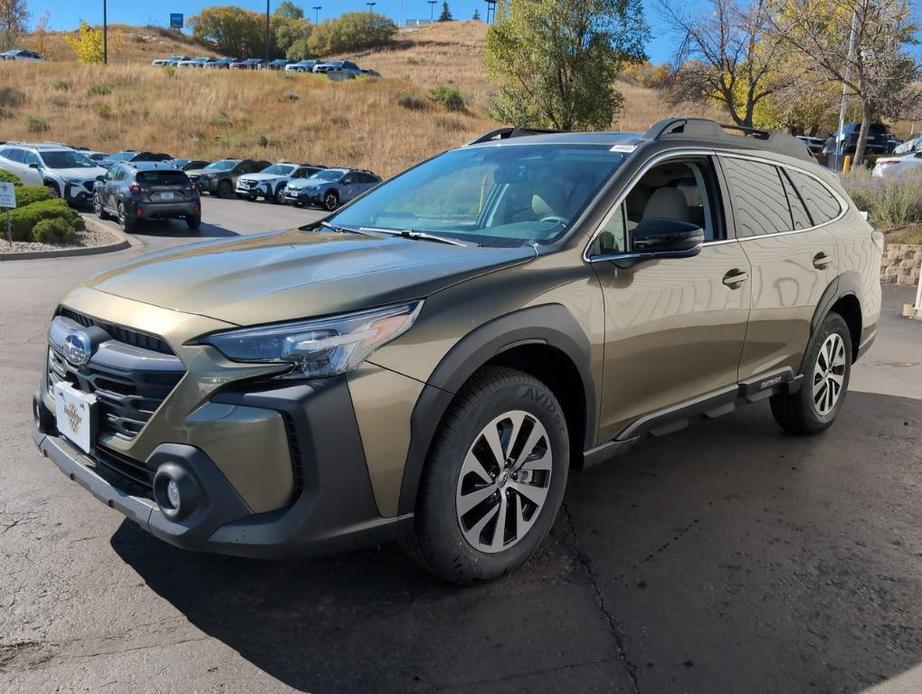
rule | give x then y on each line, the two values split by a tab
504	195
760	204
30	158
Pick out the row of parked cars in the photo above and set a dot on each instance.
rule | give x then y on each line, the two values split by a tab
135	185
332	68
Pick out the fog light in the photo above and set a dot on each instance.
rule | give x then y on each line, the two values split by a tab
176	491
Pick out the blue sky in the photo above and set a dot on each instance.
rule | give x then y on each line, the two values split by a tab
66	14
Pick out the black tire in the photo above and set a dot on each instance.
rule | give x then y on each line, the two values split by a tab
280	195
438	543
331	201
801	413
53	189
98	208
194	222
225	189
125	222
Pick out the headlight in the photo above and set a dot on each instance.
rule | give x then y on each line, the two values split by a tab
318	348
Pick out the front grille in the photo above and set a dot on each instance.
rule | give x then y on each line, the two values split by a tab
90	185
128	474
250	184
129	382
119	333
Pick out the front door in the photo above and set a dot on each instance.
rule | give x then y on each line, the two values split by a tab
674	328
778	214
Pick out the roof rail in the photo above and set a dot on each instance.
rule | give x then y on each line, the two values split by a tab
704	128
508	131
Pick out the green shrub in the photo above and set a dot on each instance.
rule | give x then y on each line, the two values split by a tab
104	111
54	230
350	32
37	124
98	89
26	195
890	201
24	219
170	71
61	85
7	177
449	97
11	97
412	102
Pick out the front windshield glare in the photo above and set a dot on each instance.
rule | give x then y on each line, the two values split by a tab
503	195
328	175
223	165
65	160
278	170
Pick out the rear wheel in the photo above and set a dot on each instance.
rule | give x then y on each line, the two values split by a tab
827	368
194	222
124	221
494	479
225	189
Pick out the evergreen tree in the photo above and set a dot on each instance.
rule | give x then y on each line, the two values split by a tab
476	16
446	13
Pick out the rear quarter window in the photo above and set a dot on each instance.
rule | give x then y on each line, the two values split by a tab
822	205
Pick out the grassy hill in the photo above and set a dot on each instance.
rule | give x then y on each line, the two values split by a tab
384	125
127	44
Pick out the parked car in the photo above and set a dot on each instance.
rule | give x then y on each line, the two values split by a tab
338	66
248	64
131	155
189	164
65	172
277	64
96	157
301	66
911	145
22	55
138	191
877	141
220	178
270	182
367	72
220	63
814	144
196	62
330	188
897	164
171	60
433	361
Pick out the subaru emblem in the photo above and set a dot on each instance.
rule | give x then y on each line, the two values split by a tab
78	348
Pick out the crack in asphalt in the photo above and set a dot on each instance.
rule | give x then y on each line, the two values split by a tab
586	565
531	673
680	533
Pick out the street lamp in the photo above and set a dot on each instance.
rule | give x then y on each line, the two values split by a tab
371	5
105	33
268	35
432	4
316	9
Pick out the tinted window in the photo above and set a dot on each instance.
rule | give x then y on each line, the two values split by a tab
799	216
14	155
29	158
821	203
760	205
163	178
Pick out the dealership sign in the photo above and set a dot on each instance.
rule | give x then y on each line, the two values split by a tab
177	20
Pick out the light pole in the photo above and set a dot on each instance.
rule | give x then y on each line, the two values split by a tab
371	6
432	9
316	9
268	35
105	33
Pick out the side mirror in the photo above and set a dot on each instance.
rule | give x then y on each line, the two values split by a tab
33	165
101	178
659	238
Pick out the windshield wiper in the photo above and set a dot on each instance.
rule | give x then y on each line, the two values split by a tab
342	230
415	235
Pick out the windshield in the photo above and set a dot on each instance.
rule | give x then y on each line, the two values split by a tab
328	175
66	159
278	170
506	195
223	165
122	156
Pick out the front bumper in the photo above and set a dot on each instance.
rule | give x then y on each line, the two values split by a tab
334	511
78	194
261	189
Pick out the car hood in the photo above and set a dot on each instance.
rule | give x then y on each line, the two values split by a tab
81	173
261	177
295	274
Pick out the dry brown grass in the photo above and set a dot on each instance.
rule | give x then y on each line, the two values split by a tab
127	44
215	113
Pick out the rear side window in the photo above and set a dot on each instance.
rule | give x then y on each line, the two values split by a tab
821	203
760	205
162	178
799	215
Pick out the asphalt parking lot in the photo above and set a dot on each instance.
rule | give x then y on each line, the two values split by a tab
725	558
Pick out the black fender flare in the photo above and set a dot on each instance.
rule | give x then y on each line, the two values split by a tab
549	324
846	284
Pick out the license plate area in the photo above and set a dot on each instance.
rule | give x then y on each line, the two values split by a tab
76	415
167	196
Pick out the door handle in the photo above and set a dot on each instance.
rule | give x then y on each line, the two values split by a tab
821	261
735	278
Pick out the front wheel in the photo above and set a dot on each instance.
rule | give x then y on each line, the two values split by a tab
331	201
827	368
225	189
98	208
280	196
494	479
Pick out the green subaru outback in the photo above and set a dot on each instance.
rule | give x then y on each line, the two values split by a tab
430	362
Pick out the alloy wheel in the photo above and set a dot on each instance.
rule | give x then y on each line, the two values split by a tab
829	374
504	481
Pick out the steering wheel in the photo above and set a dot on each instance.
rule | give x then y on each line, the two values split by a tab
553	219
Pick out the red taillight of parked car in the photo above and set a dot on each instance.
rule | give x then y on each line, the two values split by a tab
192	188
134	188
196	209
139	212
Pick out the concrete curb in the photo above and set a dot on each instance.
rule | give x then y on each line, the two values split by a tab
120	245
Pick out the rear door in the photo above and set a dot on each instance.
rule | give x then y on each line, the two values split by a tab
793	258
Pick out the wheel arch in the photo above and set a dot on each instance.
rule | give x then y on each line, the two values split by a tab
544	341
842	296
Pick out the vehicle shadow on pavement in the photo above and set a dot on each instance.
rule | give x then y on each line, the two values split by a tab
177	229
728	557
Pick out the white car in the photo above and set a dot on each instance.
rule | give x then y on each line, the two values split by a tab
20	54
66	172
270	183
890	165
171	60
302	66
